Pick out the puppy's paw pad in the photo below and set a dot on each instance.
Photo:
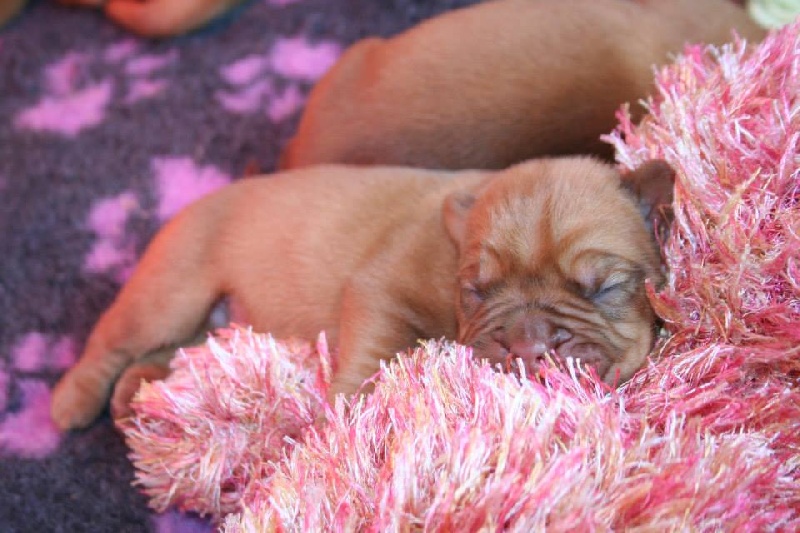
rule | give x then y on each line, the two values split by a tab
129	384
72	407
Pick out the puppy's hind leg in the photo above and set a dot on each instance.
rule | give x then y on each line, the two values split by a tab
157	365
151	367
165	302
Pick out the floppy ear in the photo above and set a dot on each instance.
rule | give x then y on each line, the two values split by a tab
652	183
455	210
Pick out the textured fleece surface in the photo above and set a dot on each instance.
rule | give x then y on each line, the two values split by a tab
103	137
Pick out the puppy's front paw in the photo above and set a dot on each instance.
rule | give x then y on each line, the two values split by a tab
348	388
76	402
130	382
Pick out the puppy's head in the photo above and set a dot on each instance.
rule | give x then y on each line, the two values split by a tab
554	255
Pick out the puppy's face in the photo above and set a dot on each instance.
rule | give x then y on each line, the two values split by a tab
554	258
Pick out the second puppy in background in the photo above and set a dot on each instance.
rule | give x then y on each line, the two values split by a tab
501	82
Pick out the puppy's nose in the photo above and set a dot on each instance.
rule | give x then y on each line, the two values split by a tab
539	337
529	351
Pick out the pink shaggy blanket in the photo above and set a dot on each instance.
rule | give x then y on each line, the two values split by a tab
706	437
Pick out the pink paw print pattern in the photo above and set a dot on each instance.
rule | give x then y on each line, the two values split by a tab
252	79
178	182
74	100
27	431
37	352
113	251
5	383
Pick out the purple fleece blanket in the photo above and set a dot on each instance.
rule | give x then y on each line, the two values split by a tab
103	137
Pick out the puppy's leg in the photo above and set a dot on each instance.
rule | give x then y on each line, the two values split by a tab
372	328
151	367
328	103
165	302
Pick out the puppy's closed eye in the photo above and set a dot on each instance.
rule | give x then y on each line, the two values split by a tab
613	294
471	298
616	284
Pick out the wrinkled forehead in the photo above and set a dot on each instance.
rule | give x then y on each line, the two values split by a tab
555	220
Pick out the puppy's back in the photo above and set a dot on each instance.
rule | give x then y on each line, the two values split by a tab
312	229
499	82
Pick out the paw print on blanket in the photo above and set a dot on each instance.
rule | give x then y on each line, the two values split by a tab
79	88
178	181
36	352
113	251
25	426
253	80
26	429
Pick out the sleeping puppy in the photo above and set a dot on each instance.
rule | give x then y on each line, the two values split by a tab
500	82
547	255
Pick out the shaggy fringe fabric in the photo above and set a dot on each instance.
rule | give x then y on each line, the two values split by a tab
222	418
705	438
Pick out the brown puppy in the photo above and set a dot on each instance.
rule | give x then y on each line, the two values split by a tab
500	82
378	258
